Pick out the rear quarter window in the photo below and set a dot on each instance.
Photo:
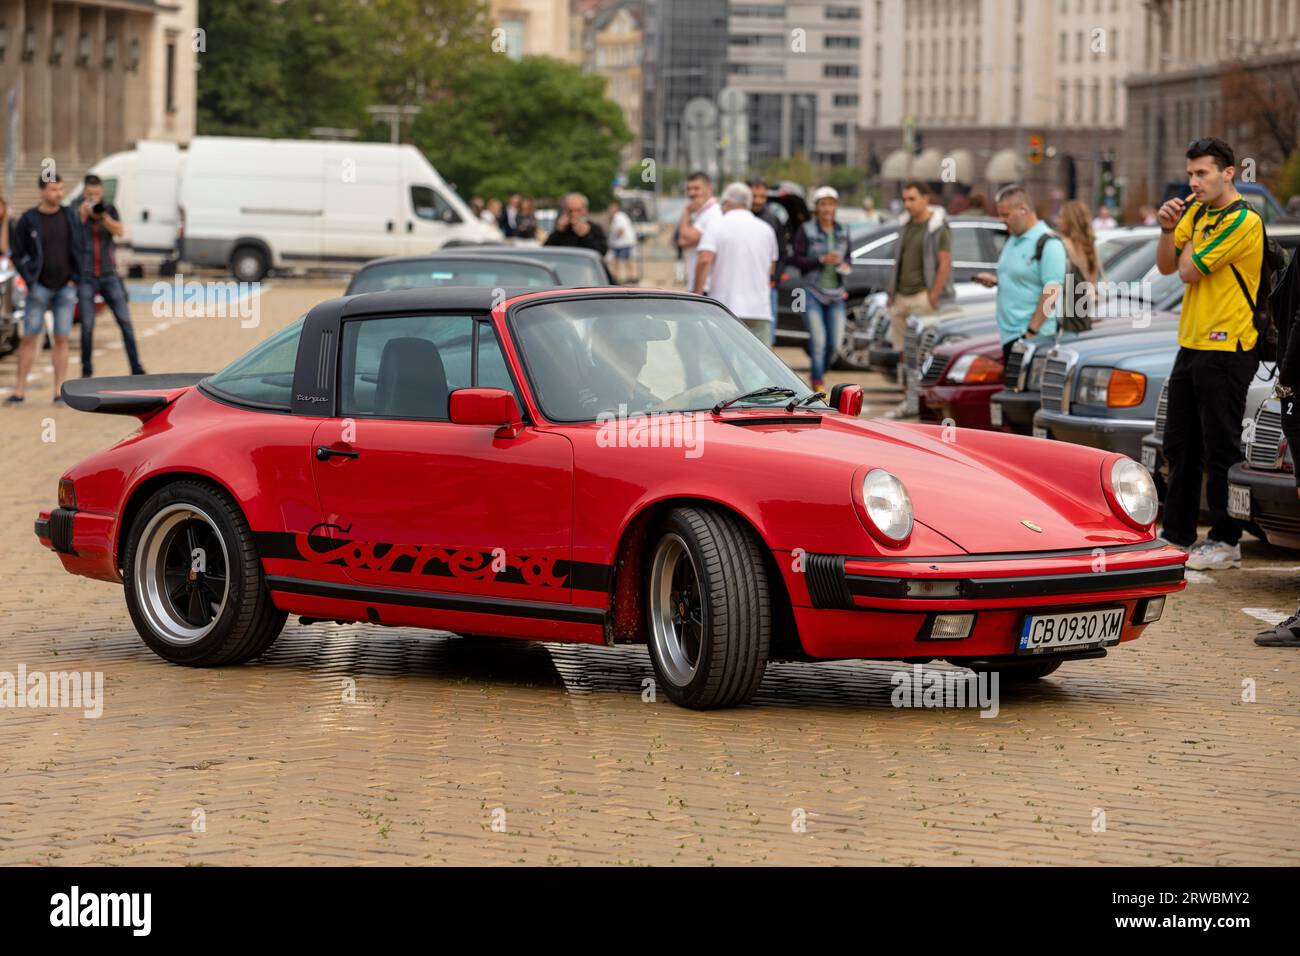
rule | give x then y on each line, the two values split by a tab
262	377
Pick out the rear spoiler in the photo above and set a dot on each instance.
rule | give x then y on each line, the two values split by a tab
139	395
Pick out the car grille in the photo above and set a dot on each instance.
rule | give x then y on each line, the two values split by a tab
1018	359
1053	390
1265	452
1162	410
929	338
935	368
878	330
911	342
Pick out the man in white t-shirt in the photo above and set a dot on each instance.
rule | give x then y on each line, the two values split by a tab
737	258
701	212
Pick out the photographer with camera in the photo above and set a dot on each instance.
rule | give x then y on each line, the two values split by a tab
574	228
100	226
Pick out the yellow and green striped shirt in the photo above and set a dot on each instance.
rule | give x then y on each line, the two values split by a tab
1215	315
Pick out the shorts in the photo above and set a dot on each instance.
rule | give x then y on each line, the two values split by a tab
63	302
623	253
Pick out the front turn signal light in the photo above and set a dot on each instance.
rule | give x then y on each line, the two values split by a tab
1127	389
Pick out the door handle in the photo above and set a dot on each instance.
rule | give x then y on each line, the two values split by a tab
325	453
388	226
410	226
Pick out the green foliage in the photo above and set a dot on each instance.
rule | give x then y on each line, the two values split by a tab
1287	182
535	126
278	69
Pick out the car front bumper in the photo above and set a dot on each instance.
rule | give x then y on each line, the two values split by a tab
882	608
1018	410
965	405
1122	435
1273	502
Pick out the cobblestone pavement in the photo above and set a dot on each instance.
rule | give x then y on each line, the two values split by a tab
491	751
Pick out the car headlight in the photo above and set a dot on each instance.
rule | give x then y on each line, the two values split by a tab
1111	387
972	369
1133	492
887	506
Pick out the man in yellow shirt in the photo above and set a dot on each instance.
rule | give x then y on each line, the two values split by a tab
1215	242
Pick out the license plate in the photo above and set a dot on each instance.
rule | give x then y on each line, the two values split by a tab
1239	501
1040	432
1050	633
995	414
1149	458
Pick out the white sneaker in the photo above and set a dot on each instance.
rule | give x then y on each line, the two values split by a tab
1211	555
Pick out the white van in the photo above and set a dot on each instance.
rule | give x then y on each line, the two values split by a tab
259	204
251	205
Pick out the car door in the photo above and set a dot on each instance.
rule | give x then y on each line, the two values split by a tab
418	502
427	222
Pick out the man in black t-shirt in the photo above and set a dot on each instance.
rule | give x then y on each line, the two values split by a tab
47	248
100	226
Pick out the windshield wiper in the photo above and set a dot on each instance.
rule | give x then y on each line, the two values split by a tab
800	402
756	393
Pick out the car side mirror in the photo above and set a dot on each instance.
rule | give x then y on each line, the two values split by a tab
847	399
487	406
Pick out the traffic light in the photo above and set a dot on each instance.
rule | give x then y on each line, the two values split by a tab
1036	149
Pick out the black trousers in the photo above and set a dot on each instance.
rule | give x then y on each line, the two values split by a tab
1203	431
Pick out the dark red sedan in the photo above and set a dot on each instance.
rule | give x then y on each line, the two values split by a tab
960	380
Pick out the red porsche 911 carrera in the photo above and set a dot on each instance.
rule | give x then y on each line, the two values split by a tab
603	466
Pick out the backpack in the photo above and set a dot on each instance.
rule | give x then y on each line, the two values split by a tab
1274	269
1069	320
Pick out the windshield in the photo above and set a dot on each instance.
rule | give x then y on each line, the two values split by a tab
579	272
613	357
435	273
1134	265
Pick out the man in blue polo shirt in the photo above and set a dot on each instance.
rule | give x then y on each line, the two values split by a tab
1031	271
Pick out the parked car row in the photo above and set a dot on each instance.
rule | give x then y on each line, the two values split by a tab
1105	388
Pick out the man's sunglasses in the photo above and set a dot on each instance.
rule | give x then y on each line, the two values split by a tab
1210	147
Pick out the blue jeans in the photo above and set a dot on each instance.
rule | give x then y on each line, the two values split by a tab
41	300
110	287
825	325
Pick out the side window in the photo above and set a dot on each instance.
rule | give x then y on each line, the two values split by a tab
492	370
966	245
427	204
264	375
404	367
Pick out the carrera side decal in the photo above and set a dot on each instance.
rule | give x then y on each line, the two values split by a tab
419	559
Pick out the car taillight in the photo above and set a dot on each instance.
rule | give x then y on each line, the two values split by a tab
1127	389
67	494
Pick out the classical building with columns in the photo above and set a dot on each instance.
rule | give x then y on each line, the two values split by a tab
81	79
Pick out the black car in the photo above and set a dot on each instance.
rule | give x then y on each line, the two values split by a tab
456	267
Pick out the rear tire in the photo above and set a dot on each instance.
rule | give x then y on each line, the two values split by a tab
194	583
708	608
248	264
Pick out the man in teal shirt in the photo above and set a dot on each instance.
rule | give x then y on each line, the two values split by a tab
1031	271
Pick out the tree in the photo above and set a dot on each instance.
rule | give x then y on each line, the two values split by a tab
535	126
278	69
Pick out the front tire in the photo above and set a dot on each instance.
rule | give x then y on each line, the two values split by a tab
194	584
708	609
248	264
